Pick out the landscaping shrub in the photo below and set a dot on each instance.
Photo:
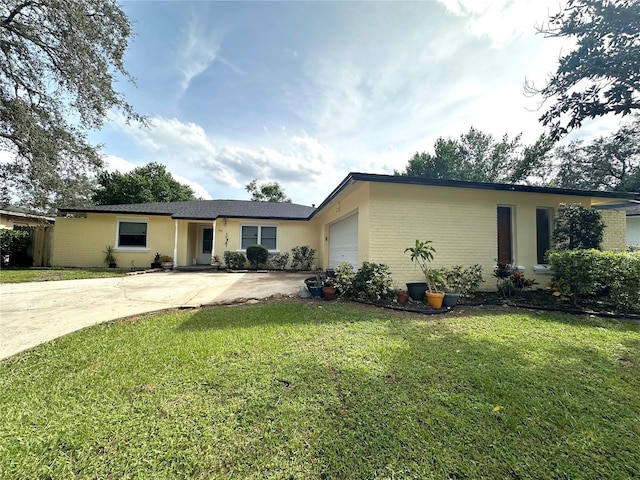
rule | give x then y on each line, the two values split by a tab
577	228
343	278
373	282
14	247
582	273
511	282
458	279
302	257
257	255
278	261
235	260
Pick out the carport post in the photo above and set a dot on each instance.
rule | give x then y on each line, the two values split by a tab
213	242
175	248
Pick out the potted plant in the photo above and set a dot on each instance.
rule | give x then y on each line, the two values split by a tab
109	258
403	296
422	254
315	287
156	261
166	261
329	289
216	262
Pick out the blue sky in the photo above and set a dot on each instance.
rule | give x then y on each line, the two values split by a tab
304	92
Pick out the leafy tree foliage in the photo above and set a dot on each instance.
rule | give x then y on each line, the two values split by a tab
58	61
577	227
479	157
266	192
14	246
600	76
151	183
608	163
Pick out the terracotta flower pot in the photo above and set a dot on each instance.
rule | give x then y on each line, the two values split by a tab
434	299
403	298
329	293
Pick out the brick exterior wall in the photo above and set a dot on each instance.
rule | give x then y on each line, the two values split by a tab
615	230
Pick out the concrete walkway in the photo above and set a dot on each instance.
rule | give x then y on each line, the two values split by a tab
34	313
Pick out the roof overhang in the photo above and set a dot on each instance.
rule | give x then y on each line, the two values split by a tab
600	198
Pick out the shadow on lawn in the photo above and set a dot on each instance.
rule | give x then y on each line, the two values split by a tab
418	399
273	313
580	320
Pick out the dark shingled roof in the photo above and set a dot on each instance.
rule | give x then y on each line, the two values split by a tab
633	210
206	209
212	209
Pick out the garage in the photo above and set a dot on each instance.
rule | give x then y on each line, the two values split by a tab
343	242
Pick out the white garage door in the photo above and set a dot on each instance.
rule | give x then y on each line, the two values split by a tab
343	242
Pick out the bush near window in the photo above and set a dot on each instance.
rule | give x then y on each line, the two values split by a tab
373	282
302	257
577	228
257	255
235	260
14	246
278	261
582	273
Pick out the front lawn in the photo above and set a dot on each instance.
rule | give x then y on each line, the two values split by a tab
294	389
21	275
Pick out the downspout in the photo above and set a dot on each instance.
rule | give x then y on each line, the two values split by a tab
175	247
213	242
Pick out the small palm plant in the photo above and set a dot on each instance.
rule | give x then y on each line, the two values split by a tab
109	257
422	253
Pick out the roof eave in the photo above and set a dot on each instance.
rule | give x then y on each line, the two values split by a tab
369	177
122	212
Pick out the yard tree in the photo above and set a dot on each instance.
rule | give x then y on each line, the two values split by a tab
266	192
151	183
607	163
577	227
59	60
601	74
477	156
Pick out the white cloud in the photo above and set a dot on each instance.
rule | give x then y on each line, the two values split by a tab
113	163
199	51
502	21
190	153
6	156
198	189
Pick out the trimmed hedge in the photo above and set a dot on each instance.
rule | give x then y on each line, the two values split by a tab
257	255
14	246
235	260
581	273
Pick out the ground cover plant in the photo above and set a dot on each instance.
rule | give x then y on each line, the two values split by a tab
8	275
304	389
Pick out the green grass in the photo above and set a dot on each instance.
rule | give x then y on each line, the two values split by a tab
318	390
8	275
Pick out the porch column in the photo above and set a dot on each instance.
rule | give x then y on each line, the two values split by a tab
213	242
175	247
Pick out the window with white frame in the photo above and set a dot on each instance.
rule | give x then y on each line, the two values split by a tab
132	234
266	235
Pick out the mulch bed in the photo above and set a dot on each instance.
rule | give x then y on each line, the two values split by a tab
541	300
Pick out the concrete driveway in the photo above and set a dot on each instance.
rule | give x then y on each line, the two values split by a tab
34	313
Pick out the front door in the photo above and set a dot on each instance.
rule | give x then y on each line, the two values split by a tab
206	245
